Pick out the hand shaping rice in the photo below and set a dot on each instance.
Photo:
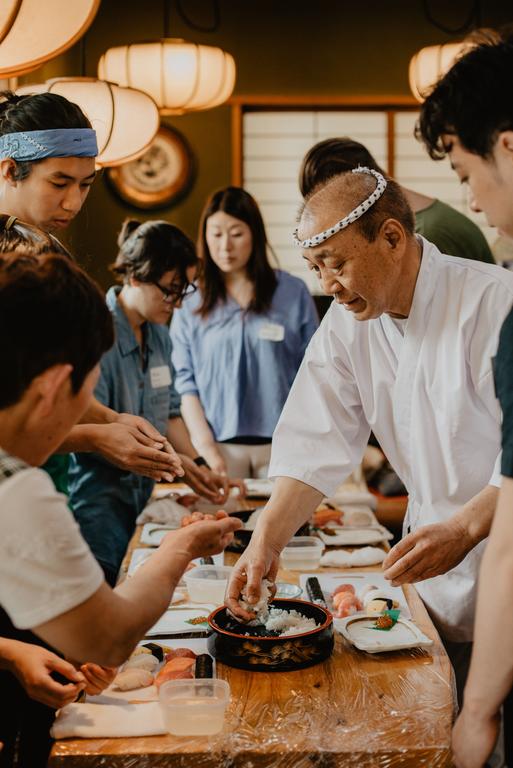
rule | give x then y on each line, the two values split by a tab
289	622
261	608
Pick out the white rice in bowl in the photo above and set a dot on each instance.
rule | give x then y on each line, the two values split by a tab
289	622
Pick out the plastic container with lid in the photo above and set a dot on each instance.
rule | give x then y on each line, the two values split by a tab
302	553
194	707
207	583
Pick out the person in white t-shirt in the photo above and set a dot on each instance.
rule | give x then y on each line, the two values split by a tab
50	582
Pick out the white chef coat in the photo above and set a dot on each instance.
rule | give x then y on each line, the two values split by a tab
426	391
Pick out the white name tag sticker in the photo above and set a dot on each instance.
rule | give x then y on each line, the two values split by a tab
160	376
271	332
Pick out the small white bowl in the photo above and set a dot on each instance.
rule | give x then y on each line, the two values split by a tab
194	707
207	583
302	553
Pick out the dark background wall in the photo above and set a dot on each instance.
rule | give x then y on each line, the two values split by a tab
282	47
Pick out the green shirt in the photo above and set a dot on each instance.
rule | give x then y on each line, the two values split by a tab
452	232
503	371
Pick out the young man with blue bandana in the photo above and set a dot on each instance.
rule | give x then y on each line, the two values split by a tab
47	167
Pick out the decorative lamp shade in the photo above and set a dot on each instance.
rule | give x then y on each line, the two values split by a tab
430	64
179	76
125	120
34	31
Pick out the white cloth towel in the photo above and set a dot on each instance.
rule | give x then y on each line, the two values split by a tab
115	720
343	559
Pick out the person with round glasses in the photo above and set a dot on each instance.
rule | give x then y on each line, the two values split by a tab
156	264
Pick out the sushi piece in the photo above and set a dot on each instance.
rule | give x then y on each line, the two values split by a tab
373	594
180	653
142	661
327	515
380	604
156	650
347	606
343	588
130	679
204	666
177	669
365	591
314	591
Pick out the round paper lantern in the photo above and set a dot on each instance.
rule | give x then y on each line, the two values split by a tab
430	64
179	76
125	120
34	31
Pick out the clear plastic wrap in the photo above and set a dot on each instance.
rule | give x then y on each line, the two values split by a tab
388	710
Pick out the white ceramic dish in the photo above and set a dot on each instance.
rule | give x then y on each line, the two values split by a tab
359	580
350	537
359	630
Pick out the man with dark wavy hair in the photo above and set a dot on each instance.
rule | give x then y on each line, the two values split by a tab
469	118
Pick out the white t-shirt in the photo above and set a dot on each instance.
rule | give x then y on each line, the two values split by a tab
46	567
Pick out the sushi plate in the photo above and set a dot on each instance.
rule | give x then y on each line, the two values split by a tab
176	620
360	630
351	537
196	644
359	580
258	488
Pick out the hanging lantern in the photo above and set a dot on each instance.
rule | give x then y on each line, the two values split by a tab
125	120
181	77
34	31
431	63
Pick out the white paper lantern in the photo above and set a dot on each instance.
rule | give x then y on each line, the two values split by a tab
34	31
179	76
125	120
430	64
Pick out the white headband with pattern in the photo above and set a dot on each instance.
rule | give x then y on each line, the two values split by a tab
381	184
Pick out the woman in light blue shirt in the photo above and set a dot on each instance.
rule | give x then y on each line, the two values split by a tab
239	340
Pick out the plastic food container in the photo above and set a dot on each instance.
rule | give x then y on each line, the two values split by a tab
302	553
194	707
207	583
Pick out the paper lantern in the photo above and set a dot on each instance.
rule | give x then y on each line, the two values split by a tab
179	76
125	120
430	64
34	31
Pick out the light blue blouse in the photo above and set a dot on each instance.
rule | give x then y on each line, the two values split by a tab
105	499
241	364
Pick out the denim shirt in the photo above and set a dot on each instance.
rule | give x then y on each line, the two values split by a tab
241	364
105	499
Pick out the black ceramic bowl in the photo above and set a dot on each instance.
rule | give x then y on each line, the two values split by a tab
263	653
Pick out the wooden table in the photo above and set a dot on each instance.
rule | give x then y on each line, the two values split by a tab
390	710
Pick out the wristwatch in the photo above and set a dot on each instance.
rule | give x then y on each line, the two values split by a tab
201	462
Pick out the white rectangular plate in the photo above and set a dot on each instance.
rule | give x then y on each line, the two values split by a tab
359	580
175	620
358	629
196	644
351	537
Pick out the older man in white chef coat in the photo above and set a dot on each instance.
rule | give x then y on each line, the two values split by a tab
405	351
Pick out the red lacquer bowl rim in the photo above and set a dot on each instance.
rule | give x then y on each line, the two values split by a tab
281	600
